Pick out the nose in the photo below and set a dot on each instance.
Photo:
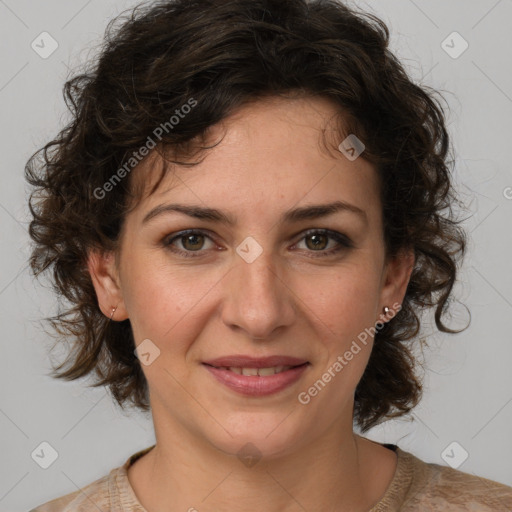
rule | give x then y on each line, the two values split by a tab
258	299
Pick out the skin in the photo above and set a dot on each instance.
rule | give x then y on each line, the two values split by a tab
286	302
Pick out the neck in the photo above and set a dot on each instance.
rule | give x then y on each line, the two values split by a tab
331	472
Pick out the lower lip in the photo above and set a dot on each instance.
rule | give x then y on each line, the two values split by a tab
254	385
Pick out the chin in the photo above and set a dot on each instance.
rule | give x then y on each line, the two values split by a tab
258	435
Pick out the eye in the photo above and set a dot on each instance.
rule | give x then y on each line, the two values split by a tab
190	240
317	241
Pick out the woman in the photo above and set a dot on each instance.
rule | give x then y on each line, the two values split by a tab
249	212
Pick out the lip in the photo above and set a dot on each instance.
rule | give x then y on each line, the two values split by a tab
241	361
255	385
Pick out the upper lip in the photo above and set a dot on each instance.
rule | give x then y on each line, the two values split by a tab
241	361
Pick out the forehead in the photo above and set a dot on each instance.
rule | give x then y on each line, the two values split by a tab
277	151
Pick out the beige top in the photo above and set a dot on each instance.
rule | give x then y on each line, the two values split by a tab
416	486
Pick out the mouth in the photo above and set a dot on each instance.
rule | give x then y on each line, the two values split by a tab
256	379
261	372
243	361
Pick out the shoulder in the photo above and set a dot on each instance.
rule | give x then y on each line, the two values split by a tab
108	493
94	495
442	488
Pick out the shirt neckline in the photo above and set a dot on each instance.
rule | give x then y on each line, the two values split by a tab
123	497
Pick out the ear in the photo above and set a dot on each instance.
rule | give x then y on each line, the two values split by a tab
105	279
396	276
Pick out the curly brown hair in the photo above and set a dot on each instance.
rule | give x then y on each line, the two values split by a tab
224	54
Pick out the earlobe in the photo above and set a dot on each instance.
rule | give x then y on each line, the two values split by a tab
398	274
105	279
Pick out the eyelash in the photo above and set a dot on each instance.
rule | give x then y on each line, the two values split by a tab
343	241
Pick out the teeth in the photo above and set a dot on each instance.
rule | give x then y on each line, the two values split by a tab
249	371
258	371
270	371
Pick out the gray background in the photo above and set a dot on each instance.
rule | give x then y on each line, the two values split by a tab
468	383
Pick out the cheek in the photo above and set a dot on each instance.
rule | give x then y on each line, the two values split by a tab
345	305
344	302
162	302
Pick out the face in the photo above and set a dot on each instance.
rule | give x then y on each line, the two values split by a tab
279	279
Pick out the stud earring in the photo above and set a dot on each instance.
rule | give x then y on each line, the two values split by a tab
113	311
386	310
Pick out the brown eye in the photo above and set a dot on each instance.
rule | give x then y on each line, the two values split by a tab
188	242
317	242
192	242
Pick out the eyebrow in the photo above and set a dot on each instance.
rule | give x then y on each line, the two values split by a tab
310	212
